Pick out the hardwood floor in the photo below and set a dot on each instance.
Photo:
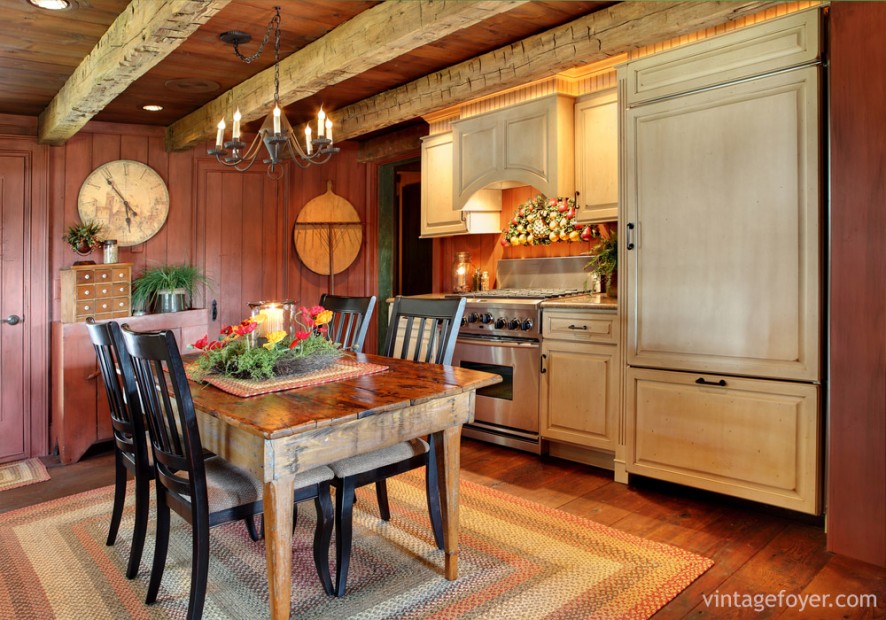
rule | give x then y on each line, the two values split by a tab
757	550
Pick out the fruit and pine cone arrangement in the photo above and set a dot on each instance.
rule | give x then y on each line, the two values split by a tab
542	221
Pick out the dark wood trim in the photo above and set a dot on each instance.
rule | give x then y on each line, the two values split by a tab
857	407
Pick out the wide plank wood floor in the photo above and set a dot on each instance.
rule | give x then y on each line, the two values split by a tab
757	550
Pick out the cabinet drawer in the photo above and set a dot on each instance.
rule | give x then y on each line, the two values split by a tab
103	275
85	308
580	326
120	274
85	291
749	438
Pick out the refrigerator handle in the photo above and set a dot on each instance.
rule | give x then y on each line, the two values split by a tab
630	236
701	381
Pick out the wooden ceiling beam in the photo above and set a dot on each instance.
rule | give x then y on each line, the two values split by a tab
618	29
371	38
142	35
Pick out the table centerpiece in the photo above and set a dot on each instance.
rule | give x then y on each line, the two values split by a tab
241	353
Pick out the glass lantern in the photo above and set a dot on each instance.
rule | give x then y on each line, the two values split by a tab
462	272
279	315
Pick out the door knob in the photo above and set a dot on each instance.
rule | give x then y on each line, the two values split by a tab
13	319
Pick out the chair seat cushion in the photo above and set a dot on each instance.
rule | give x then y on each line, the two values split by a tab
379	458
228	486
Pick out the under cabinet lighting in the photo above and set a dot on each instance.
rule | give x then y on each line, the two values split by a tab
51	5
152	107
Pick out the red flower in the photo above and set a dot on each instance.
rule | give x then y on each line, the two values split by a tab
202	343
246	327
299	336
215	344
316	310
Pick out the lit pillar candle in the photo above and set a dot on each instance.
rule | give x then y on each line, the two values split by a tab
321	118
276	119
329	130
273	320
237	118
220	136
308	144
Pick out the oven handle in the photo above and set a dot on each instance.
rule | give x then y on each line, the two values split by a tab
489	342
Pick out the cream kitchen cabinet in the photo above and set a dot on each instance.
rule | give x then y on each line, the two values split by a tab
439	217
580	378
596	157
530	143
750	438
720	267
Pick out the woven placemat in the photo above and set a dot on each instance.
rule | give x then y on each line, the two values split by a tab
343	368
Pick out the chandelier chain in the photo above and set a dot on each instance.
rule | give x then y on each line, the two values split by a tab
273	24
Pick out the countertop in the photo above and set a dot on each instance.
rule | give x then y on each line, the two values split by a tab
592	301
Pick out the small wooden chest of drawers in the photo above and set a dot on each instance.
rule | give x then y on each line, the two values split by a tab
98	291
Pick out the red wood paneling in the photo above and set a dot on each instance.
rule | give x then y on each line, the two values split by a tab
857	402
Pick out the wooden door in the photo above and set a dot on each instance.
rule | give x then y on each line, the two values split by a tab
14	414
724	194
241	240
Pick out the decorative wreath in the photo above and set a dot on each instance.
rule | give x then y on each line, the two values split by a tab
542	221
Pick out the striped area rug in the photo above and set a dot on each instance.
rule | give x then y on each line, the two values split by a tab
21	473
518	560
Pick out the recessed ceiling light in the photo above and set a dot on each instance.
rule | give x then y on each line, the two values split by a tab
152	107
51	5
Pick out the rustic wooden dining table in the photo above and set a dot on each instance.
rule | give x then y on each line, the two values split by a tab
277	435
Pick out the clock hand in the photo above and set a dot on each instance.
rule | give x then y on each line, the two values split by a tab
129	210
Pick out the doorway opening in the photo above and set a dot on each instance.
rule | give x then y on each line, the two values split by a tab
405	262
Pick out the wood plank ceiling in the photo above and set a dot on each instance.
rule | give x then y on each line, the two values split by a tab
370	64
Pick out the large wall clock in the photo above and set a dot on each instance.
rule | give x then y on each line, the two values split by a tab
128	198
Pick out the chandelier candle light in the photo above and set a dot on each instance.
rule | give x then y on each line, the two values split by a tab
276	133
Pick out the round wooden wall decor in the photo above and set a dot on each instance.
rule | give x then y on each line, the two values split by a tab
328	233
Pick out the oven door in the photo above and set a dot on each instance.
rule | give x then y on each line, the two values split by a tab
512	404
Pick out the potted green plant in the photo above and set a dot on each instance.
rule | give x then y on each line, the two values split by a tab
83	237
167	288
604	260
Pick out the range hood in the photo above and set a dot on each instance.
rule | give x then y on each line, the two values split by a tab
528	144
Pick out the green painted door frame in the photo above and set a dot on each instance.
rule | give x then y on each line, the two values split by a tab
387	212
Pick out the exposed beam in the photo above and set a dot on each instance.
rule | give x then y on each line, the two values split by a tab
371	38
594	37
142	35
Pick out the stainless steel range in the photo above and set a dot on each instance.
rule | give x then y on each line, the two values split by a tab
501	334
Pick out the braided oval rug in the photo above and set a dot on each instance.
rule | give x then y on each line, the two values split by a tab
517	560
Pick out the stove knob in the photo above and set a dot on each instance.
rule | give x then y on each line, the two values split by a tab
486	318
514	324
464	320
500	323
527	325
472	317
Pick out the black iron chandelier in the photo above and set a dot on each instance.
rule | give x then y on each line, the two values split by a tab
276	133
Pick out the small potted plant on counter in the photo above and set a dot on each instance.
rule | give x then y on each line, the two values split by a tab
167	288
84	237
604	259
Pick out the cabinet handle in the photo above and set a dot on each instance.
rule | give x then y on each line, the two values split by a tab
543	358
630	236
701	381
582	327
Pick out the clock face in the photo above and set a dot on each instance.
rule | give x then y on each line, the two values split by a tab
128	198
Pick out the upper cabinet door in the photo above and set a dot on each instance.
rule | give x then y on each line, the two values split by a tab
596	157
439	218
723	191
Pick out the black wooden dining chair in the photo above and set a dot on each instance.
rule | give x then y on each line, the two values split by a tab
204	492
350	320
422	330
131	444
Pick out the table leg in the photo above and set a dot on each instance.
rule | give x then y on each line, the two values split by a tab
278	497
448	444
